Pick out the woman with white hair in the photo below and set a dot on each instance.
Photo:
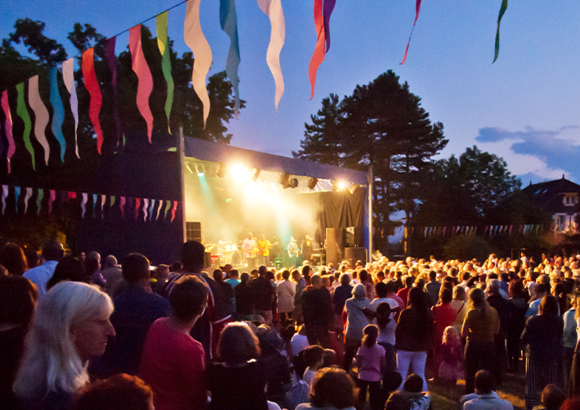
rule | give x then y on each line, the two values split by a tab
71	326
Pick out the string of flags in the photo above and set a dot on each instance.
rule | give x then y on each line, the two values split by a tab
487	230
91	205
195	39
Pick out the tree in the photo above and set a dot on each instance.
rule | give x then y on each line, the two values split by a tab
382	125
465	190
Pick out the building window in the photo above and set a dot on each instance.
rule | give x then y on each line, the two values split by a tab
570	199
561	220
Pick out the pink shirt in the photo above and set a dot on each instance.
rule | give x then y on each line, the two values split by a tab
369	359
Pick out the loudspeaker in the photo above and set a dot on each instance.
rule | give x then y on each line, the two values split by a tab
353	236
193	230
355	254
333	245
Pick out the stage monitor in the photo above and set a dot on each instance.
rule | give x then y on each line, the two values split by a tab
193	230
353	236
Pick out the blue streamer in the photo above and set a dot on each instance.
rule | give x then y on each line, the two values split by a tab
151	208
229	24
58	115
16	195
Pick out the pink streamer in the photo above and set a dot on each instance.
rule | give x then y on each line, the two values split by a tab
122	207
318	55
141	68
92	86
51	200
8	129
417	9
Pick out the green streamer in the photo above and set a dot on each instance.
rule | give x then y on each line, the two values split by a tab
39	200
22	112
163	44
167	209
504	5
113	200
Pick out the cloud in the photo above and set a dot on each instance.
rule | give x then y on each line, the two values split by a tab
546	153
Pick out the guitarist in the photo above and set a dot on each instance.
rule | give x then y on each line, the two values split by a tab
264	247
250	250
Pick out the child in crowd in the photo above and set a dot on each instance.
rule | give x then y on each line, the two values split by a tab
314	359
370	360
451	358
418	400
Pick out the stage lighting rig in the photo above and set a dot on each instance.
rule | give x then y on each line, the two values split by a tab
200	170
221	170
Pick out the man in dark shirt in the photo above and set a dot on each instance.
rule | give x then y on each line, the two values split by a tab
264	292
244	298
136	308
502	306
317	312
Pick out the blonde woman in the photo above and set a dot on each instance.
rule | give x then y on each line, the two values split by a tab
71	326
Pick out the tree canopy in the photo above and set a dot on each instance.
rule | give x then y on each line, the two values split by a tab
383	125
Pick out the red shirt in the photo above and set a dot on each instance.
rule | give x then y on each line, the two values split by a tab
173	364
443	315
403	293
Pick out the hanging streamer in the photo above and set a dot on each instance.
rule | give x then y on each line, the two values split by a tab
163	44
327	11
273	9
151	209
503	8
318	55
167	206
159	209
145	207
137	206
95	198
417	9
51	199
71	195
39	197
197	42
145	85
40	114
27	198
103	201
122	207
16	195
69	82
4	195
84	204
92	86
58	111
113	200
22	112
8	129
173	210
109	46
229	24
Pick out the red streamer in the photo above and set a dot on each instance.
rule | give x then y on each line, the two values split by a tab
175	203
92	86
137	206
417	9
318	56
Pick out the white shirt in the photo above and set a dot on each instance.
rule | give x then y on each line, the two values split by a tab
248	245
40	276
490	401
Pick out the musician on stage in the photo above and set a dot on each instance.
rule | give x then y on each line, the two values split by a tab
307	247
250	250
293	252
264	247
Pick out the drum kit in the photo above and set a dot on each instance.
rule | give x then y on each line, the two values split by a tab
227	253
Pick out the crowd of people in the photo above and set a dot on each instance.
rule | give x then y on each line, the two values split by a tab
75	334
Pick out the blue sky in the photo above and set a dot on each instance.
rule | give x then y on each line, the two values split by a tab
524	108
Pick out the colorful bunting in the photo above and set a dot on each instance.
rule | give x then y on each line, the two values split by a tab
84	204
71	195
16	195
151	209
27	198
327	11
503	8
103	200
159	209
4	196
137	206
145	207
51	199
318	55
22	112
122	207
229	24
197	42
40	114
163	44
113	200
173	210
273	9
167	206
92	86
145	85
58	111
39	197
8	129
95	198
69	82
109	46
417	9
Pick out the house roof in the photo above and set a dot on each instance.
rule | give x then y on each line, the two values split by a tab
545	193
216	152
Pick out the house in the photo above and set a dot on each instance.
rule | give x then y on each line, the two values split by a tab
561	198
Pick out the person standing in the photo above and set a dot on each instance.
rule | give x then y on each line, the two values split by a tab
244	299
317	312
264	247
286	291
249	248
300	286
264	294
112	275
307	247
52	252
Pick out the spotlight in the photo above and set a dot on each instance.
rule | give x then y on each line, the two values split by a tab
221	170
338	185
293	183
284	179
255	174
312	183
200	170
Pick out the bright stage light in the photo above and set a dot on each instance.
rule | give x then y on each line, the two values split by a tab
340	185
200	170
240	172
